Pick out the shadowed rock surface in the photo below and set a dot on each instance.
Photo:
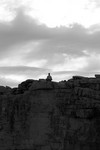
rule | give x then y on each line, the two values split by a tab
44	115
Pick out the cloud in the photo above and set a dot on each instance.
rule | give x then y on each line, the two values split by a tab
12	76
23	30
93	62
72	41
24	42
95	3
22	70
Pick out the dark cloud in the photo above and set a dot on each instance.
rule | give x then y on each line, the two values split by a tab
24	29
72	41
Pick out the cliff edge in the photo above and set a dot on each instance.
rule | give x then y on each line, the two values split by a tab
47	115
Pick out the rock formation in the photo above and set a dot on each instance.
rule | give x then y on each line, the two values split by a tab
43	115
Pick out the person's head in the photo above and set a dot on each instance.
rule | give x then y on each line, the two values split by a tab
48	74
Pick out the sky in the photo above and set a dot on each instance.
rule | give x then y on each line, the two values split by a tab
41	36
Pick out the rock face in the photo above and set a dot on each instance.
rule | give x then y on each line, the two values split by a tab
43	115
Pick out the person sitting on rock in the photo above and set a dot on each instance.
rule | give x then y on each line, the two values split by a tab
49	78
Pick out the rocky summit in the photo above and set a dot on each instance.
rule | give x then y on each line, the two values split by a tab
48	115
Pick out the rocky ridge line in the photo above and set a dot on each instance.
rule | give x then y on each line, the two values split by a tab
47	115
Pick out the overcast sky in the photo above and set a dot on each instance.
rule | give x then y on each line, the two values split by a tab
41	36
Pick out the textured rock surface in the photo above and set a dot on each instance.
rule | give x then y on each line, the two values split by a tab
42	115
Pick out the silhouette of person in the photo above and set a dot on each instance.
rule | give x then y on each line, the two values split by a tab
49	78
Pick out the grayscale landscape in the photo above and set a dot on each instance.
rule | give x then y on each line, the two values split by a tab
49	75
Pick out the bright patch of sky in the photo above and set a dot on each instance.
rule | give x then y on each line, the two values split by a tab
54	12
